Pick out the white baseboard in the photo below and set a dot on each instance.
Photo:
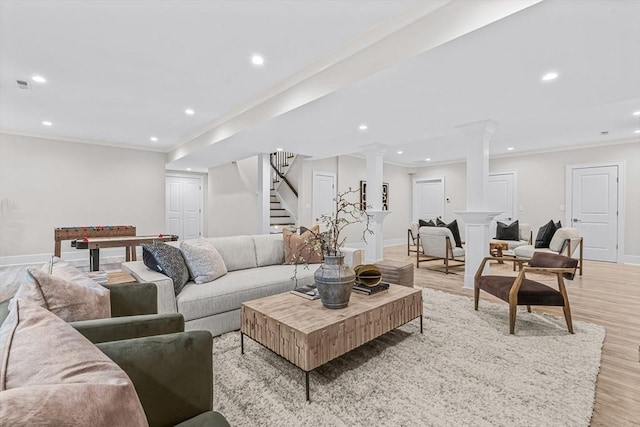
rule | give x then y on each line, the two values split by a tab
78	258
630	259
389	242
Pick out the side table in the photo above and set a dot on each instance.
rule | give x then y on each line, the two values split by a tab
396	272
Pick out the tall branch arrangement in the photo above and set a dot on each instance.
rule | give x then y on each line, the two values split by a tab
346	213
329	242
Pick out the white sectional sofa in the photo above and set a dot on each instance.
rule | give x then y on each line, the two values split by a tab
255	270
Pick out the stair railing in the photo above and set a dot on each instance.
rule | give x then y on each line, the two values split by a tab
279	161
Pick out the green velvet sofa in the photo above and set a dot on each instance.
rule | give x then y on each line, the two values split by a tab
171	370
133	315
172	375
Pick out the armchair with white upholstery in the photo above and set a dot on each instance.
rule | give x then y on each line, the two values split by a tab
438	243
412	238
565	241
525	235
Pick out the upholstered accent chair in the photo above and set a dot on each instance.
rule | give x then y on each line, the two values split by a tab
525	236
412	238
565	241
437	243
133	315
520	290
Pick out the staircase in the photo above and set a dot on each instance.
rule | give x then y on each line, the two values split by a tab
279	217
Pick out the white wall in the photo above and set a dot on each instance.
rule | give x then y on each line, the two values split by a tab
47	183
349	171
454	189
305	189
541	184
232	199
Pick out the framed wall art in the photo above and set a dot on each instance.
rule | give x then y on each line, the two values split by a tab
385	194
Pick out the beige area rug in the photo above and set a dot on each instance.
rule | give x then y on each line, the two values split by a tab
465	370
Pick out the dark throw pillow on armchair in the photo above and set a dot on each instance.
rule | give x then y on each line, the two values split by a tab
508	232
545	234
167	260
453	226
424	223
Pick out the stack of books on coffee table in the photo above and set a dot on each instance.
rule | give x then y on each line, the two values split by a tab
370	290
307	291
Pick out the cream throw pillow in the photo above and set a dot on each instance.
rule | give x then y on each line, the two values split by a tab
51	375
203	259
71	301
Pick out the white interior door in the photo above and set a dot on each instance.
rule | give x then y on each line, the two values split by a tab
184	198
324	193
501	197
428	198
594	210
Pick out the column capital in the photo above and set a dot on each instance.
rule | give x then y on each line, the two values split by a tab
479	130
376	149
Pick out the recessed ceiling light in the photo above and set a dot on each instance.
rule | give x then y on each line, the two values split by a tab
510	148
636	113
257	60
428	159
400	152
363	127
47	123
154	139
550	76
188	169
189	111
279	149
38	79
637	131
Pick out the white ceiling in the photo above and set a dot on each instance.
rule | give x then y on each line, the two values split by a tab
121	72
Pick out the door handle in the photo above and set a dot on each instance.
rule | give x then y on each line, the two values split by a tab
576	220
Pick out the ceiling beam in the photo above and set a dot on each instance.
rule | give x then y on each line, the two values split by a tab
414	31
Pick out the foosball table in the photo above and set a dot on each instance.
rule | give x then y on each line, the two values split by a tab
97	237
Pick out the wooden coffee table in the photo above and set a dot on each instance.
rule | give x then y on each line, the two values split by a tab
308	335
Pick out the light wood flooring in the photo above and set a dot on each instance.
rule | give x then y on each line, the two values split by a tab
607	294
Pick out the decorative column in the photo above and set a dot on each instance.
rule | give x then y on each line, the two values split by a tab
476	218
264	193
374	247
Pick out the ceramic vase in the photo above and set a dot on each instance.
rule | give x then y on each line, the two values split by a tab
334	281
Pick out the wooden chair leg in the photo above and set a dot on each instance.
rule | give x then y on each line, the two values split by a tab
513	308
446	265
529	308
581	255
476	297
565	308
567	316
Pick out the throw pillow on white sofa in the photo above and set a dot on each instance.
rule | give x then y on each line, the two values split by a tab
203	259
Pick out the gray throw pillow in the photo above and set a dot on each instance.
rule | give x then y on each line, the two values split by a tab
167	260
203	260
